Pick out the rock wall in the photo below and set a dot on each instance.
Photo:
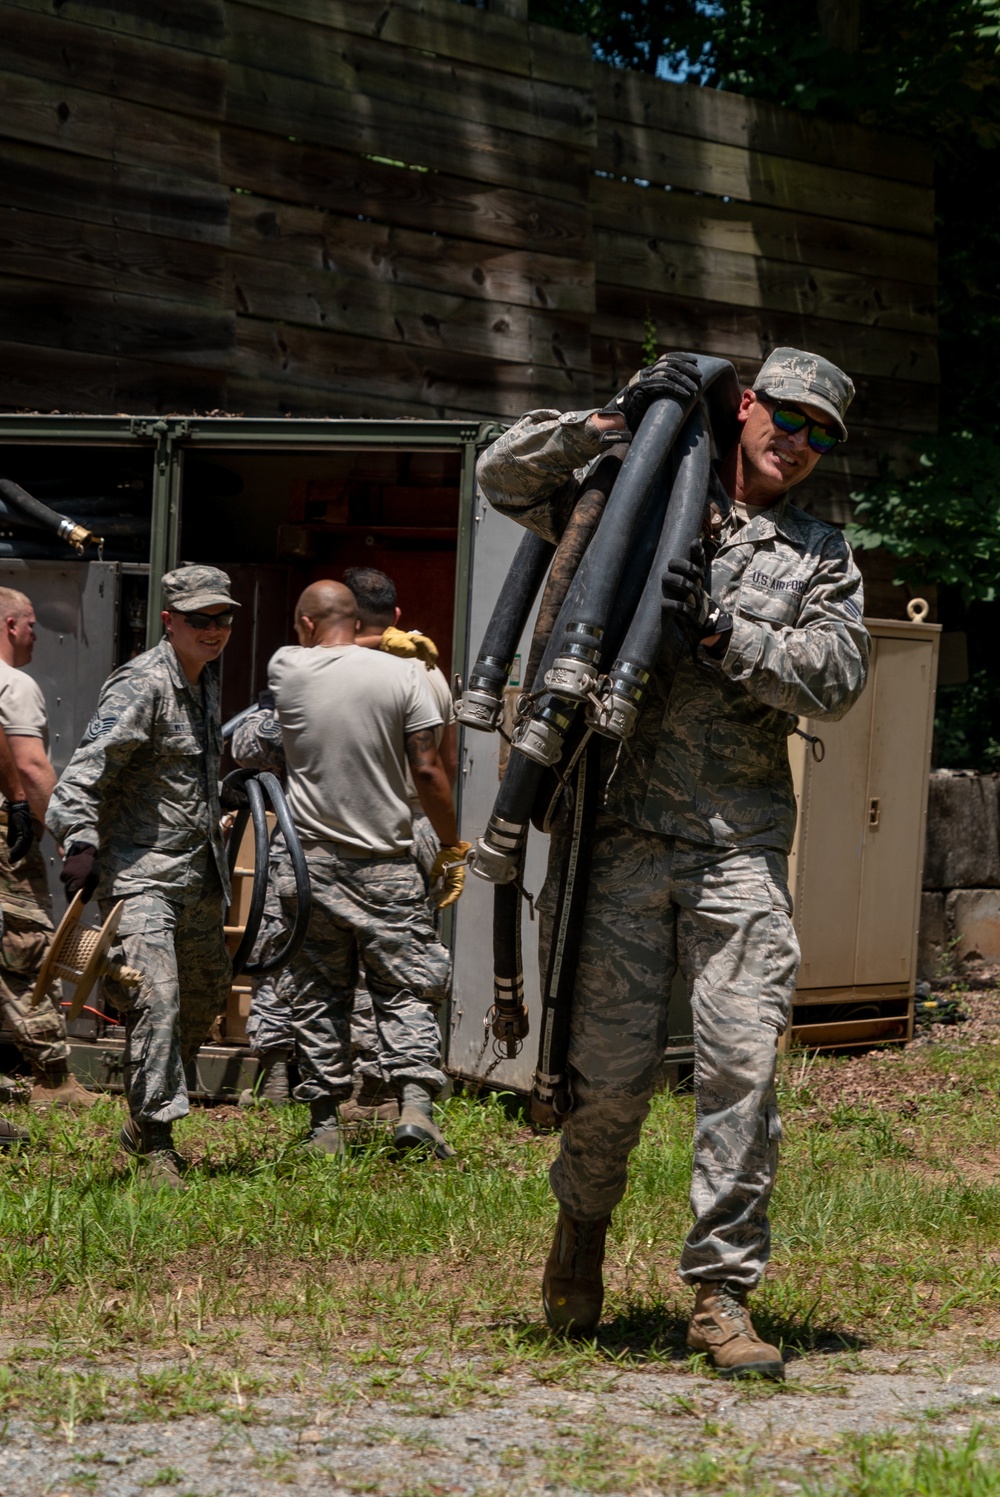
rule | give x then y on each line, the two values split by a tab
960	906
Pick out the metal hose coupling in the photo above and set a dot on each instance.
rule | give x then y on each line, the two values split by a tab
541	737
620	704
78	537
497	857
551	1100
481	703
575	672
509	1016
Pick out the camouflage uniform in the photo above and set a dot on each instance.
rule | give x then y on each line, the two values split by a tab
26	903
370	914
143	788
690	865
361	994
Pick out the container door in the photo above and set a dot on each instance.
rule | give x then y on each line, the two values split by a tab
495	539
894	811
830	845
77	611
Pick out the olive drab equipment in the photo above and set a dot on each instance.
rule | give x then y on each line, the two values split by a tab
595	644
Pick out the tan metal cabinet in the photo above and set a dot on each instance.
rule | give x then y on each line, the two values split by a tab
855	869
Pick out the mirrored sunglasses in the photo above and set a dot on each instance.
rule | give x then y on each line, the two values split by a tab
208	620
790	419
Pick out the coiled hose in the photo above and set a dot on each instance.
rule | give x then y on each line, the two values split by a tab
256	786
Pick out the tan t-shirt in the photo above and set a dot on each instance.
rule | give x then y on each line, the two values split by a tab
22	706
345	713
441	692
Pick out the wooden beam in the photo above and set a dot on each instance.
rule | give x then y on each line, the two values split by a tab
43	112
324	177
754	229
83	190
686	322
438	379
444	29
371	67
666	159
367	125
359	307
40	378
718	275
79	319
198	25
286	234
636	99
72	252
85	57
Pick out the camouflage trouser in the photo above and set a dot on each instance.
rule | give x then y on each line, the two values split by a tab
269	1023
368	913
269	1026
724	916
187	973
27	931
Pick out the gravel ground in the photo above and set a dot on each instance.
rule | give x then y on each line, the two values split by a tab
529	1438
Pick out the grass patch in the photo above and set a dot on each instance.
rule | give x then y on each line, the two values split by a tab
414	1284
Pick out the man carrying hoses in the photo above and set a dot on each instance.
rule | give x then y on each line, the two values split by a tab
689	864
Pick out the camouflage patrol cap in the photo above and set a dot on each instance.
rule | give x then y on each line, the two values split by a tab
793	374
186	589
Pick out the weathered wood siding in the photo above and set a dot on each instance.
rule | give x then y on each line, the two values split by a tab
337	207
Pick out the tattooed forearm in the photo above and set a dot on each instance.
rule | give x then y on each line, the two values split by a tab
421	750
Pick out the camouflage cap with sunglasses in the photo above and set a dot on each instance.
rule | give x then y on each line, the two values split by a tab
187	589
793	374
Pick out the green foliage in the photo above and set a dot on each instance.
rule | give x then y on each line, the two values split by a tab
941	522
967	724
647	36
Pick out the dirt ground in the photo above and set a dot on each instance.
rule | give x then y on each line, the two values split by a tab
624	1436
662	1428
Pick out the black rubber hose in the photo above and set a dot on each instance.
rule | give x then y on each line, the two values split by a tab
630	590
300	868
236	831
584	614
258	815
550	1093
37	513
510	1017
482	697
682	525
581	528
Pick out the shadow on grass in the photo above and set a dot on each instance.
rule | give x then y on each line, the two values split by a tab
641	1334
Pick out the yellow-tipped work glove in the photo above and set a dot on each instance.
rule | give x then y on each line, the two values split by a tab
448	869
409	646
427	650
397	642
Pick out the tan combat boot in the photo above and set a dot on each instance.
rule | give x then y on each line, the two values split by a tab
10	1135
58	1087
416	1133
152	1145
324	1133
572	1285
271	1085
721	1327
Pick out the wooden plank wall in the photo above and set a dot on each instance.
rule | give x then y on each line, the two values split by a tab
416	208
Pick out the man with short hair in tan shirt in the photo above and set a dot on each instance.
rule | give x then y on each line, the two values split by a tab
40	1029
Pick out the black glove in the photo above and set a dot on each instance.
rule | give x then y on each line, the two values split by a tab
674	377
684	595
79	870
233	793
20	831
